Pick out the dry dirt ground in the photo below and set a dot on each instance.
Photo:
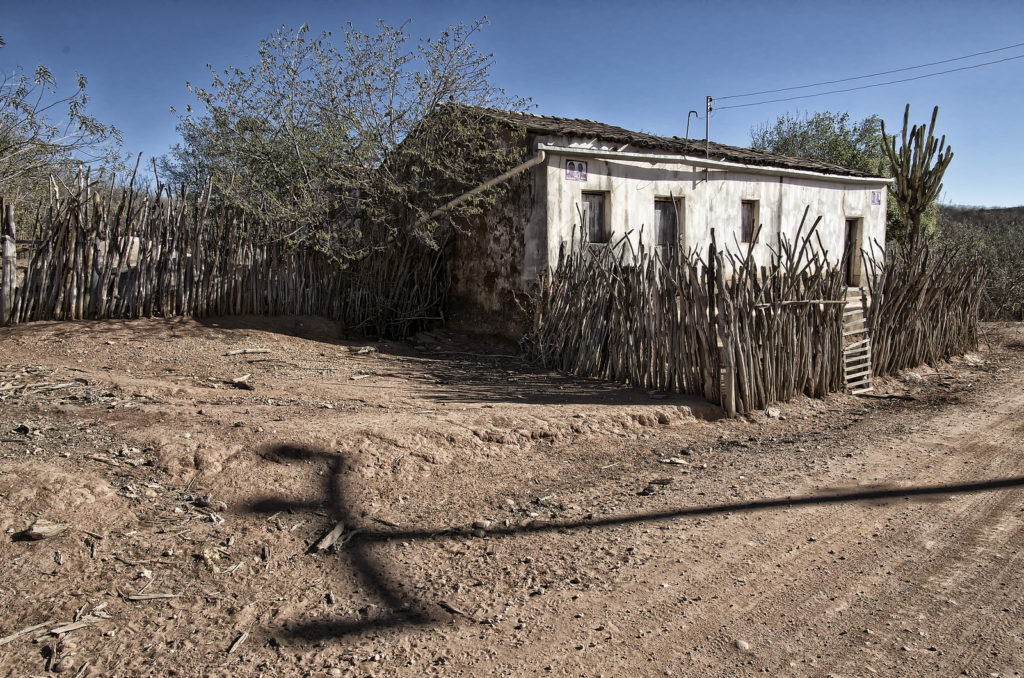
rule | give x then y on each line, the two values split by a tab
495	520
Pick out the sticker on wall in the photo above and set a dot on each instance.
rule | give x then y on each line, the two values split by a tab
876	197
575	170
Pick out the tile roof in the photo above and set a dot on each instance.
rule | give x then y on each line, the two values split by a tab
588	129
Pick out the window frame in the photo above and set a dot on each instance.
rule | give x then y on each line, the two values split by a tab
678	218
606	230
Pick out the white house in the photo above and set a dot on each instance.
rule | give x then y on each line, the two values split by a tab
608	182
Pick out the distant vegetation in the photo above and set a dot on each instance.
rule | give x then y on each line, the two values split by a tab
997	237
46	134
836	138
331	137
826	136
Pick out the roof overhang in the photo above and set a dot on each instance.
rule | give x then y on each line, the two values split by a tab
707	163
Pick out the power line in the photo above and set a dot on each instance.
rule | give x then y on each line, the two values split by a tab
877	84
873	75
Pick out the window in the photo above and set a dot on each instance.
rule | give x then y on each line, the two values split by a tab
748	220
595	218
666	221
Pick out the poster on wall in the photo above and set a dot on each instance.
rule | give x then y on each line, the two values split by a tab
575	170
876	197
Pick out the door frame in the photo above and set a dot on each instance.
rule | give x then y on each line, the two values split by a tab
853	242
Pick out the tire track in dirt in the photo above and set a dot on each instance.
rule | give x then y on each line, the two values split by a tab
962	525
939	581
973	519
1001	623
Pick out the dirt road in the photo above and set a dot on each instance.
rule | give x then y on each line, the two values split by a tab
493	520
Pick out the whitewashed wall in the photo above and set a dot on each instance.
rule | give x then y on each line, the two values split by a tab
711	199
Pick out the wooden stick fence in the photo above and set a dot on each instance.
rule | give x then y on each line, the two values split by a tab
743	336
127	254
710	324
719	327
924	307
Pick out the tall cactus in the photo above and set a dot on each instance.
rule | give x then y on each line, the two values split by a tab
917	167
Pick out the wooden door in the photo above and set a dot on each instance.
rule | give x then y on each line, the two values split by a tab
851	252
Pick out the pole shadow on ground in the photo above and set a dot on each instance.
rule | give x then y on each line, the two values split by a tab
400	609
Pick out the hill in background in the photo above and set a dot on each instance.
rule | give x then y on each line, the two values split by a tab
997	236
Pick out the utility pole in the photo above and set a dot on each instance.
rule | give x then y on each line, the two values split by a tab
707	127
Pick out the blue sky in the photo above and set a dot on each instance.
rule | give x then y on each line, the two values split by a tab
640	65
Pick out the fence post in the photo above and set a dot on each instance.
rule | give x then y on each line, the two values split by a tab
714	356
721	331
8	264
729	387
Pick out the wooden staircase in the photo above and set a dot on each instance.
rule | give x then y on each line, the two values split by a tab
856	343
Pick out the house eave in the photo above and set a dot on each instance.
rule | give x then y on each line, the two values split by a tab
706	163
